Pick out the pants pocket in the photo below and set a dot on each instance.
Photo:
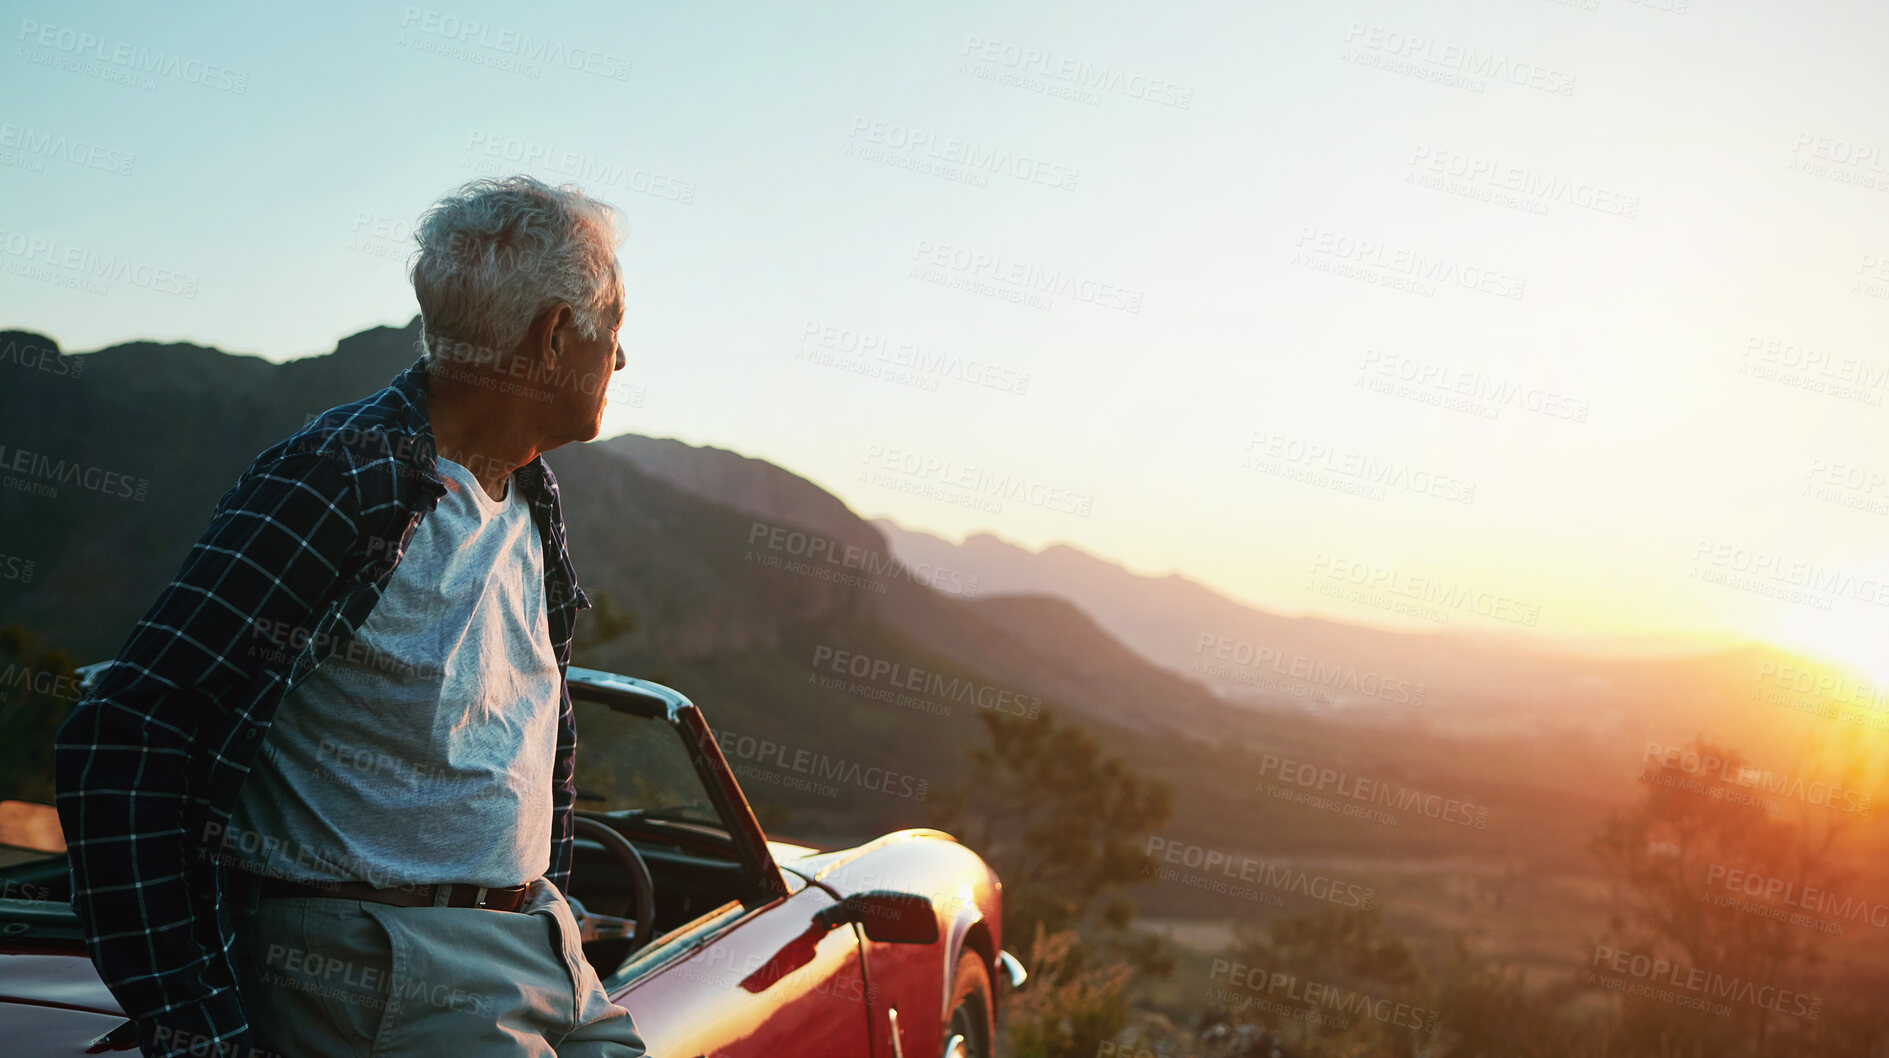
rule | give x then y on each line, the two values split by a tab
358	963
562	937
318	976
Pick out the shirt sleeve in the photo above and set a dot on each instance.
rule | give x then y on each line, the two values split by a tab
132	763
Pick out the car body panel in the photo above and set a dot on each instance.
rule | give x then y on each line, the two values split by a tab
54	980
773	983
915	979
33	1031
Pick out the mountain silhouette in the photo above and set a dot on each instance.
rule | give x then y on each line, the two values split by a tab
693	590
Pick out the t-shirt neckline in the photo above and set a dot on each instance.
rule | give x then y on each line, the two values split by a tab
479	495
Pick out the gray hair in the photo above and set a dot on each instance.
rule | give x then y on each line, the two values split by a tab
495	253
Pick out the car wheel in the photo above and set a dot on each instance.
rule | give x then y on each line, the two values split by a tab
967	1031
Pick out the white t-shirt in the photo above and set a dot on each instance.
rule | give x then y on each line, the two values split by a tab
421	752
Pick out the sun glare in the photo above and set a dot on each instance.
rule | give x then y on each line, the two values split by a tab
1851	635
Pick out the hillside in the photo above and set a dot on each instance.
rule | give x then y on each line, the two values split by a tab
865	661
685	593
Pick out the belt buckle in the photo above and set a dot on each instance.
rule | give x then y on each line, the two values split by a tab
443	895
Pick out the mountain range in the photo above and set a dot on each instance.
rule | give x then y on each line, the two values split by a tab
787	616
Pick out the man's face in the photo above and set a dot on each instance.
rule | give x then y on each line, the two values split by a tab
584	374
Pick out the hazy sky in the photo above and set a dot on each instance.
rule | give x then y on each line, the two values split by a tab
1514	312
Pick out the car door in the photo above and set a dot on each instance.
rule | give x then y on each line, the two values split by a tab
772	982
757	976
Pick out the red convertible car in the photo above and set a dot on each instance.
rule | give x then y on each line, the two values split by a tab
723	944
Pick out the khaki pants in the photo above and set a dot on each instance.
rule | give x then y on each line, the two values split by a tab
329	978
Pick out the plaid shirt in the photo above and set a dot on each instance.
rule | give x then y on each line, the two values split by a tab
149	764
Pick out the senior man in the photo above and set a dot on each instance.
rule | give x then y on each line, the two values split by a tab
321	802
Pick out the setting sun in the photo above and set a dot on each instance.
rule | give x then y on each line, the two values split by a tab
1853	637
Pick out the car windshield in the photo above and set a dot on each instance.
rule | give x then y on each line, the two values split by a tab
638	766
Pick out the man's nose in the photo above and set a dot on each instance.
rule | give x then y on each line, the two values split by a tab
622	361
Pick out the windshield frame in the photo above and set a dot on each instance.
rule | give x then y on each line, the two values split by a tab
761	876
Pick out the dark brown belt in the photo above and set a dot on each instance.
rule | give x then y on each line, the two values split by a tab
510	898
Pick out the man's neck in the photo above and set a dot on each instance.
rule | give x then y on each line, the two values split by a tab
480	436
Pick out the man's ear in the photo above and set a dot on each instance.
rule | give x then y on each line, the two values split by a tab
544	337
561	319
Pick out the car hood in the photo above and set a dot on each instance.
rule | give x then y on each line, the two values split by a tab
53	979
53	1031
793	856
818	864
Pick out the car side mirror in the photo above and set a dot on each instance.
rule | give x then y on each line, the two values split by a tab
892	917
